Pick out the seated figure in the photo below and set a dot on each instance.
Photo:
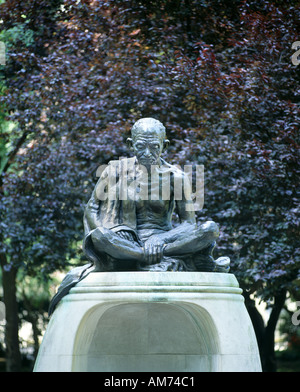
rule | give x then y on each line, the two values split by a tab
128	227
134	232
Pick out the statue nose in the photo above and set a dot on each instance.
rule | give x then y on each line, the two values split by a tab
147	152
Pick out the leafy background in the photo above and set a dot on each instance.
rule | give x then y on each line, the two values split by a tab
217	73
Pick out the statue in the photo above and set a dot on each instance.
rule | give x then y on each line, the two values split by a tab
134	232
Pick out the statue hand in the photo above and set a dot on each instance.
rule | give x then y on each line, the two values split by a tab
126	235
153	250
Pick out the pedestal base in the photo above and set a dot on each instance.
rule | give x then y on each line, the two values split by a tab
151	321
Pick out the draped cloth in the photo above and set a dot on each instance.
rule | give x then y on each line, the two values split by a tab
113	206
106	208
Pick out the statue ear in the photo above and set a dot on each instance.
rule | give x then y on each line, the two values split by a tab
166	144
129	143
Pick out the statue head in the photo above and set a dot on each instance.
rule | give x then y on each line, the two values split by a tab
148	141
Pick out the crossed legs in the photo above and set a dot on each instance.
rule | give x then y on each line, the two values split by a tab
108	242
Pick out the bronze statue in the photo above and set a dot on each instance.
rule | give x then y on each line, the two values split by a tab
134	232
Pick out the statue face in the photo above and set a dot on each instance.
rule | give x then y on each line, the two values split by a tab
148	141
147	147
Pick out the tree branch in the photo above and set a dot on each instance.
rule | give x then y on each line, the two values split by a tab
14	152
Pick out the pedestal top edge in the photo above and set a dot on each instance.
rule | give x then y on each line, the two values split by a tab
141	278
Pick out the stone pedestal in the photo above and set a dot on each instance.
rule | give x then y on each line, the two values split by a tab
151	321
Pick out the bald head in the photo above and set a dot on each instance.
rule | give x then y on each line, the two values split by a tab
148	141
148	126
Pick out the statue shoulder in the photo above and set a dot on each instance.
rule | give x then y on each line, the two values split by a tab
116	165
175	169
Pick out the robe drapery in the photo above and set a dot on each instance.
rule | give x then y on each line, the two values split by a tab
105	209
113	201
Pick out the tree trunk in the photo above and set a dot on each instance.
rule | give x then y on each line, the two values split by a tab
269	364
258	323
13	356
265	335
36	334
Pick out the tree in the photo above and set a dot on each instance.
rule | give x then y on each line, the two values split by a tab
217	73
22	39
254	148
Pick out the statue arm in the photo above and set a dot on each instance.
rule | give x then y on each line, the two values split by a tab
92	210
184	207
91	213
